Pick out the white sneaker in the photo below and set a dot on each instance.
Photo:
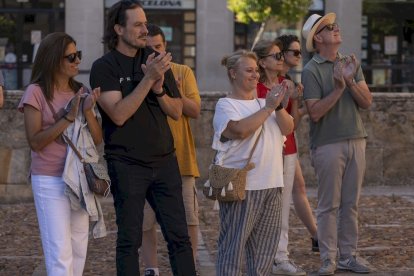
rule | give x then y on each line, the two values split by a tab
287	268
351	264
328	268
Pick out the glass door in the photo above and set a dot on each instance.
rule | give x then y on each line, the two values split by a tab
21	29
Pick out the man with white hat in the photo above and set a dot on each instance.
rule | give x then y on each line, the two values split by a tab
334	90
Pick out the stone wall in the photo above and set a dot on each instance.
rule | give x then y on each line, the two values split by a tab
14	151
390	145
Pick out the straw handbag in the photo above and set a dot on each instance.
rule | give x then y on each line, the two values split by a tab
228	184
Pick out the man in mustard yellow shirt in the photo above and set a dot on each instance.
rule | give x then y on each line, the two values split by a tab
186	155
1	89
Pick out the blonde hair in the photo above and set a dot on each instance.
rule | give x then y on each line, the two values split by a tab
232	61
262	49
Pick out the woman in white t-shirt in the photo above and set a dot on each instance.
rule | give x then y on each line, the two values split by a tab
250	226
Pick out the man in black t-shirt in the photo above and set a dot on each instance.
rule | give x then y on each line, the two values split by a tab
138	93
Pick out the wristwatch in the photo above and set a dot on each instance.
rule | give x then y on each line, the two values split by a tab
279	107
160	94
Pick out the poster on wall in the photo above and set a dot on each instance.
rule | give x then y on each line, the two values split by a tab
35	36
391	45
378	76
168	32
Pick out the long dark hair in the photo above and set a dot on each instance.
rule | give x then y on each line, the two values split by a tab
117	15
48	61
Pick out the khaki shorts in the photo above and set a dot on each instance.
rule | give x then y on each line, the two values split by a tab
190	205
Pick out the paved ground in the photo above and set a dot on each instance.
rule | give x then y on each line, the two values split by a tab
386	238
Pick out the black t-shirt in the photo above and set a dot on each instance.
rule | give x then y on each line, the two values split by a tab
145	138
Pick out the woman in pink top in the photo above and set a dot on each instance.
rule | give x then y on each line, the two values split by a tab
64	231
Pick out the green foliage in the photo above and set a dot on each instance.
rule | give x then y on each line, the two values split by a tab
381	17
287	11
7	27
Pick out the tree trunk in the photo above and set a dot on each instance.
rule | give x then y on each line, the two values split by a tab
259	33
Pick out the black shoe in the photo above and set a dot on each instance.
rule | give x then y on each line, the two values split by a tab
315	245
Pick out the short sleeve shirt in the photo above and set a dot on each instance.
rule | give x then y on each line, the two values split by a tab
51	159
267	157
181	130
145	138
343	120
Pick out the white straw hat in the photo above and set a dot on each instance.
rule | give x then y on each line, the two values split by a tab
312	24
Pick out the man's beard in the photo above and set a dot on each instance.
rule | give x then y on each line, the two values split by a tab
127	42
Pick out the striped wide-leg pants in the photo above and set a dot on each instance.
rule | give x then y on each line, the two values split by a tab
251	226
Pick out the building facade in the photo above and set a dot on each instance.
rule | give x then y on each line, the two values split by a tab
199	33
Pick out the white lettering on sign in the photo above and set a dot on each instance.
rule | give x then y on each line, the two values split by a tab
168	4
161	3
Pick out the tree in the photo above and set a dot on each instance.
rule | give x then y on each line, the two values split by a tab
286	11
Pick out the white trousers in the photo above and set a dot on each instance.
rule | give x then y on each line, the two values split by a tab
289	166
64	232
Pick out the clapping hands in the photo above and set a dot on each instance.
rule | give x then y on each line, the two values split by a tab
294	91
73	107
155	67
344	71
90	99
275	96
350	65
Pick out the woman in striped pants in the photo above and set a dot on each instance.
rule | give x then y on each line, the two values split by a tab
250	228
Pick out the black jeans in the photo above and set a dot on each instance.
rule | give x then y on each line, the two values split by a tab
131	184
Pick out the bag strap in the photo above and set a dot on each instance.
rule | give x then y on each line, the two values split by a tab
254	146
53	110
251	152
257	139
75	150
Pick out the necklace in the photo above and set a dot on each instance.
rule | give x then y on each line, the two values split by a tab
236	97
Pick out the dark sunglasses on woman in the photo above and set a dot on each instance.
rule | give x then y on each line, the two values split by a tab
296	53
276	56
72	57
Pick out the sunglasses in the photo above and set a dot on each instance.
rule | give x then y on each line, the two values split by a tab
72	57
276	56
329	27
296	53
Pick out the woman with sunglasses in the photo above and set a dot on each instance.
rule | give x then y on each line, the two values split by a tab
247	227
64	231
292	56
271	63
